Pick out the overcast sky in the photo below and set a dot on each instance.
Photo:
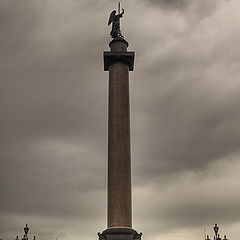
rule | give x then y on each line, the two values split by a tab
185	117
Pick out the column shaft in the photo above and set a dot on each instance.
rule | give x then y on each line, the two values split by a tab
119	156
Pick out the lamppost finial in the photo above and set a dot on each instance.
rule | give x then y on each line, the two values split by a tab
26	229
216	228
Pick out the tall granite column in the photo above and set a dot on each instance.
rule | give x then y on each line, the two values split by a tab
118	61
119	156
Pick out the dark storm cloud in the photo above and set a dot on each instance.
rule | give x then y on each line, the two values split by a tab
36	166
46	87
170	4
182	4
18	20
191	9
201	128
40	97
192	199
193	107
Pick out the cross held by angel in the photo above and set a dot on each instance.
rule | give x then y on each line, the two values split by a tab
114	19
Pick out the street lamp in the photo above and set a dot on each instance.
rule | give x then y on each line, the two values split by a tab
25	236
216	234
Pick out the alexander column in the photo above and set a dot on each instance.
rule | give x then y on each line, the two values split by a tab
118	61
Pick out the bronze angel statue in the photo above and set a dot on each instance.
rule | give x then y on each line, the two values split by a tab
115	20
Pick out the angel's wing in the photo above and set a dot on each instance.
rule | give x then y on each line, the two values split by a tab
111	17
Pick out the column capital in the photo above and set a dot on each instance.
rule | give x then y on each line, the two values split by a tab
116	57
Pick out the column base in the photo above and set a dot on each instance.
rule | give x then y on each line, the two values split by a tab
119	234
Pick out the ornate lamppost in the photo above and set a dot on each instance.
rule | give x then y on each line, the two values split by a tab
216	234
25	236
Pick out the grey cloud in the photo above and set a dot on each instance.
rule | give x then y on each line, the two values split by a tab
45	77
203	132
171	4
189	116
191	10
193	198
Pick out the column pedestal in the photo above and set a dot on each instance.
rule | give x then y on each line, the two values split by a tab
119	234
